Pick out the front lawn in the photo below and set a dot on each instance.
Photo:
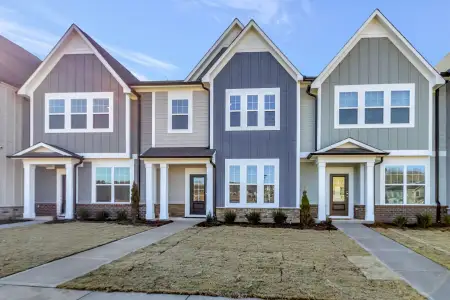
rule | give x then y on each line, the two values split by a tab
235	261
433	243
22	248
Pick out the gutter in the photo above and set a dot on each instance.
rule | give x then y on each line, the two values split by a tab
75	172
308	91
436	151
139	125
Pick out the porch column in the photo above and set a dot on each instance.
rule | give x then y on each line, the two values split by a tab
149	187
362	192
69	191
28	191
322	179
370	197
164	192
209	189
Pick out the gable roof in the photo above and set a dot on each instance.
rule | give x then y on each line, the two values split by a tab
219	64
370	28
443	65
119	72
51	151
16	64
235	24
349	146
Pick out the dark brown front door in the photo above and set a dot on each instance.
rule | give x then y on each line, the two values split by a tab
198	194
339	195
63	194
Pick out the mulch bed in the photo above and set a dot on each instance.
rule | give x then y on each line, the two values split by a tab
408	226
318	226
11	221
153	223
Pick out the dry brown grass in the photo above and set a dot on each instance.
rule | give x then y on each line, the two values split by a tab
433	243
26	247
246	262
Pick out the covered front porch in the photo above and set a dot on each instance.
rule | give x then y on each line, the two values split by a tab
178	178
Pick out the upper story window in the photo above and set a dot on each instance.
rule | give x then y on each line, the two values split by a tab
78	112
374	106
179	112
252	109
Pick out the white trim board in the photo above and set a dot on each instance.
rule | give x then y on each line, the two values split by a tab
59	173
351	141
180	95
377	25
187	187
42	145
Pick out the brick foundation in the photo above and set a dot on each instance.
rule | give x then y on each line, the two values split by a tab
293	214
12	212
359	212
175	210
387	213
45	209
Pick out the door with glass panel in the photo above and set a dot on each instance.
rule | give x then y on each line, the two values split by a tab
339	194
198	194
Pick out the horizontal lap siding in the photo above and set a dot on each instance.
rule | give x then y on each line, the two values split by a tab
45	185
257	70
307	122
377	61
81	73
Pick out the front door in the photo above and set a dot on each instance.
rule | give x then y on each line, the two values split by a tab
198	194
63	194
339	194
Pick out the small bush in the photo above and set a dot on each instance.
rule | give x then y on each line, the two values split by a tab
102	215
329	223
83	214
122	215
306	220
447	220
229	217
279	217
400	221
424	220
253	217
135	200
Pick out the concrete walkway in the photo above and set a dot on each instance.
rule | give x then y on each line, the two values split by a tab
429	278
38	220
65	269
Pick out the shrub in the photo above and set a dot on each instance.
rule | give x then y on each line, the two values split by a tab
135	199
210	218
253	217
279	217
447	220
400	221
424	220
122	215
329	223
229	217
102	215
306	220
83	213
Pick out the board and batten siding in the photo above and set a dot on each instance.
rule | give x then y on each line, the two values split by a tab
200	127
257	70
81	73
14	136
376	61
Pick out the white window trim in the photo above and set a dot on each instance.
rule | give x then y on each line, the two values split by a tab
179	95
405	162
387	89
243	93
67	97
260	163
110	164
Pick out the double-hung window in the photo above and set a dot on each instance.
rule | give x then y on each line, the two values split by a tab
252	109
180	112
112	184
251	182
406	183
78	112
374	106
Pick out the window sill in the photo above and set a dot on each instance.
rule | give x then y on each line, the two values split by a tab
179	131
109	203
373	126
271	205
272	128
106	130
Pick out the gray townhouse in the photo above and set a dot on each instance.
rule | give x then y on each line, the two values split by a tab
246	130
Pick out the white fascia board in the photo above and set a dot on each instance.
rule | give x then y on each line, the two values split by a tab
352	141
39	145
433	76
220	63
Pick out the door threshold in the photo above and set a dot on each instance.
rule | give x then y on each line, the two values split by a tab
195	216
340	217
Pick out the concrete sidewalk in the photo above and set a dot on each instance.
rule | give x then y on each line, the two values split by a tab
426	276
38	220
10	292
65	269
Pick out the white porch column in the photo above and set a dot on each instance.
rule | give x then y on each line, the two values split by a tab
149	187
164	192
209	189
322	179
28	191
362	190
69	191
370	197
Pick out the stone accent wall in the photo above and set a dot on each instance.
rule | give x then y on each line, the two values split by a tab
175	210
293	214
45	209
13	212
